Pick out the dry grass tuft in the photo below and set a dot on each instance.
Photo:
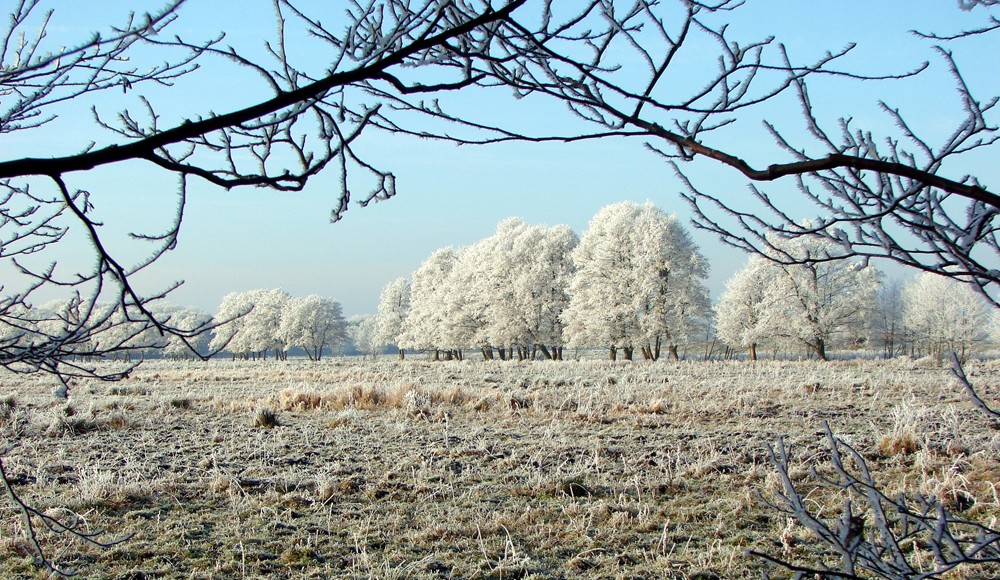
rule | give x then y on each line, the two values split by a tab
183	403
657	407
454	397
366	397
266	419
117	420
67	423
900	444
299	400
8	409
484	404
902	437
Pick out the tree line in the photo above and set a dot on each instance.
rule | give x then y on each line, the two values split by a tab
635	281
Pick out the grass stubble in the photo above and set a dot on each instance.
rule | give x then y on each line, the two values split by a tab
412	469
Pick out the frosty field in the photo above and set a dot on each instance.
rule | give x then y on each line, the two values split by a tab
392	469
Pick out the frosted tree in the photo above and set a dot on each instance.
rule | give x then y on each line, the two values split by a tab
254	321
147	340
602	310
513	287
313	324
468	293
130	336
746	315
363	333
190	318
426	324
826	301
540	270
485	275
672	273
233	308
944	315
887	323
638	282
393	307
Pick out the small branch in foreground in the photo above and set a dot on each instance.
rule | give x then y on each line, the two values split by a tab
30	514
891	538
970	391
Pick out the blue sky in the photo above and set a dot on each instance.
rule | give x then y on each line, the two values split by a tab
244	239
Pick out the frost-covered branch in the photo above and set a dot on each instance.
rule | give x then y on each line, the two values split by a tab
874	534
70	524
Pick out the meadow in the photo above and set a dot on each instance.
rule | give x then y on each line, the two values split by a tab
413	469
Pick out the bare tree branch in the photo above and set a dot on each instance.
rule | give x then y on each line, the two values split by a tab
871	538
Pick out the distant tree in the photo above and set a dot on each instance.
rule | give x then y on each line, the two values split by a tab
888	329
826	301
427	324
393	307
313	324
638	282
944	316
602	310
363	333
508	291
120	336
747	314
673	280
536	293
479	291
147	340
186	317
468	292
254	322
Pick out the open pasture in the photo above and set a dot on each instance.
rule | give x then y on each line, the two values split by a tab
388	469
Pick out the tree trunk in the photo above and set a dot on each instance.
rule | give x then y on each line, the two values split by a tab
613	353
672	349
545	352
402	354
819	347
753	351
628	352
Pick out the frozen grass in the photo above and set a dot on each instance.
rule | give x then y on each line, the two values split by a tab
470	469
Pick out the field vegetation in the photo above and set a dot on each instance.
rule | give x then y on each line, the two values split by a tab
389	469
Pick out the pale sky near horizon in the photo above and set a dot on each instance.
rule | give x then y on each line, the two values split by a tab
245	238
